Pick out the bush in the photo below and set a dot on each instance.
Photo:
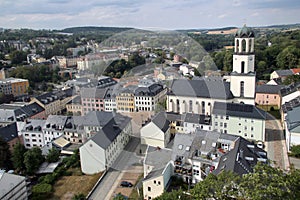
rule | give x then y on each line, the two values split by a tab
295	151
41	191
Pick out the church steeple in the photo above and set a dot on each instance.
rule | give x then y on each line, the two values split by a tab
242	78
243	58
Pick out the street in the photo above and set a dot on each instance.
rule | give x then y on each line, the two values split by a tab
126	159
275	143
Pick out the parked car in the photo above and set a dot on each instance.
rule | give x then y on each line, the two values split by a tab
126	184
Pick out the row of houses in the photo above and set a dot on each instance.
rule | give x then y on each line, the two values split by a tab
242	120
115	98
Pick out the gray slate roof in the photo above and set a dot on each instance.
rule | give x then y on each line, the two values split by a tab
285	72
158	158
151	90
289	89
111	130
237	159
8	182
9	132
161	121
97	93
238	110
11	112
97	118
268	89
293	119
203	87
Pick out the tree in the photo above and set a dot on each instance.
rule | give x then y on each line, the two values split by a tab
291	79
288	58
175	194
17	57
5	162
18	157
265	182
222	186
53	155
41	191
33	158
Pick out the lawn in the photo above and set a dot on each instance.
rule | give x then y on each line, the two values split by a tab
67	186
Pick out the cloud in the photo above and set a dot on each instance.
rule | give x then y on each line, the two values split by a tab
176	14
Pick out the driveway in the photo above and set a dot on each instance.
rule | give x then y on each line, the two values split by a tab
275	143
124	162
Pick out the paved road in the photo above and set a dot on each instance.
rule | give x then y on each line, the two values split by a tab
275	143
127	158
295	162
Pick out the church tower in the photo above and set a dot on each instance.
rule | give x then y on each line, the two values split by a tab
242	78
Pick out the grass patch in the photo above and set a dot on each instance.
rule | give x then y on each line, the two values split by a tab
273	110
134	194
68	186
275	113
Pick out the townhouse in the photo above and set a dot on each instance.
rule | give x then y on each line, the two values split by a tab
290	119
268	96
92	99
125	100
243	120
147	97
157	171
100	151
54	102
32	133
10	113
157	132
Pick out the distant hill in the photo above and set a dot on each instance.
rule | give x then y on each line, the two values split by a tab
85	29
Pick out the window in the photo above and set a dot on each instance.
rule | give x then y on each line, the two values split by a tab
252	128
225	125
243	67
227	117
190	106
154	181
216	123
158	182
242	88
149	189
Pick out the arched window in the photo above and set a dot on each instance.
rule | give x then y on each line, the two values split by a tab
242	88
178	105
244	45
243	67
203	107
190	106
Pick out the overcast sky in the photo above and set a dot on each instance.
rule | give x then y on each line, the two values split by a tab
165	14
